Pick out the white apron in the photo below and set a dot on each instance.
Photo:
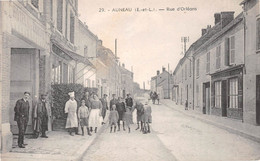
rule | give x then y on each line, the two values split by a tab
71	109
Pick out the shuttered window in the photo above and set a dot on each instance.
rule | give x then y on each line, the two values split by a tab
208	63
258	35
198	67
232	50
218	57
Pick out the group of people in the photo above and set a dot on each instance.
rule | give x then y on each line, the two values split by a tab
154	96
92	113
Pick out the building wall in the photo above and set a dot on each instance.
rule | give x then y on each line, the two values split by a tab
23	29
86	44
252	59
211	48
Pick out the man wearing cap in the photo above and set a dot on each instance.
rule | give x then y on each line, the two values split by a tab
21	110
71	109
41	115
129	104
113	101
104	106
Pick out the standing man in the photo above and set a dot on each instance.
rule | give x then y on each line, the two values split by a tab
41	116
71	109
129	104
21	110
104	106
113	101
87	100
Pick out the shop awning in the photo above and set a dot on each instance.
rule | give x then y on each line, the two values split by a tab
62	49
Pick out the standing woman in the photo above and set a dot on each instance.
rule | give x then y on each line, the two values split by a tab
121	109
95	113
71	109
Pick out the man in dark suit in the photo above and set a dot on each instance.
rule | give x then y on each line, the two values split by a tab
21	110
113	101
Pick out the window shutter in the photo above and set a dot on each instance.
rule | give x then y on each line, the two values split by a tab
212	94
227	51
240	92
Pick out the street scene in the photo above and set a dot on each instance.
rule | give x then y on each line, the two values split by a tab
130	81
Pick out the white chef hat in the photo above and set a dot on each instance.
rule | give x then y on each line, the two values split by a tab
71	94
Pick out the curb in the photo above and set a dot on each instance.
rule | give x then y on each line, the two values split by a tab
227	128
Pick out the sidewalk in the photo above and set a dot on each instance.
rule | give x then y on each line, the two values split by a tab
234	126
59	146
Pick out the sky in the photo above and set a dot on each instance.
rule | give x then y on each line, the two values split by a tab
149	40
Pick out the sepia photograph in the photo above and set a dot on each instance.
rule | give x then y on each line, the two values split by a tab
125	80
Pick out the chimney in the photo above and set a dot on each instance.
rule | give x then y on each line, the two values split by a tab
226	18
163	69
158	72
203	32
123	65
217	17
100	42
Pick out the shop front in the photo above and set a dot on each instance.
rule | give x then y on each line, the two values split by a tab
227	93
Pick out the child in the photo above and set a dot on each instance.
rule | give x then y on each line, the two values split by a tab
139	113
83	115
127	118
147	118
186	105
113	118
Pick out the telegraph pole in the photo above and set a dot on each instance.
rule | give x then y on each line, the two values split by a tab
184	40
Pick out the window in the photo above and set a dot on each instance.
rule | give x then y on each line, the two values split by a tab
208	63
88	82
198	67
218	58
59	15
56	74
35	3
93	83
185	71
72	27
232	50
233	93
182	75
71	73
258	35
190	68
197	94
86	52
218	94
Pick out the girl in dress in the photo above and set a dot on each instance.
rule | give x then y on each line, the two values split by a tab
128	118
113	118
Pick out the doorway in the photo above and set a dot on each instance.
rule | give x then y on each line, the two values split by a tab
23	78
224	97
258	99
206	98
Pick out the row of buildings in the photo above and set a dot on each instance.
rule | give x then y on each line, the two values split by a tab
43	42
220	72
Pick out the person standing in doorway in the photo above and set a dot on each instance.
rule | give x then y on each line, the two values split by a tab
71	109
21	110
41	117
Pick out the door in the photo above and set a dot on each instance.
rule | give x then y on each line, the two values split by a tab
258	99
22	78
206	98
224	97
187	90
